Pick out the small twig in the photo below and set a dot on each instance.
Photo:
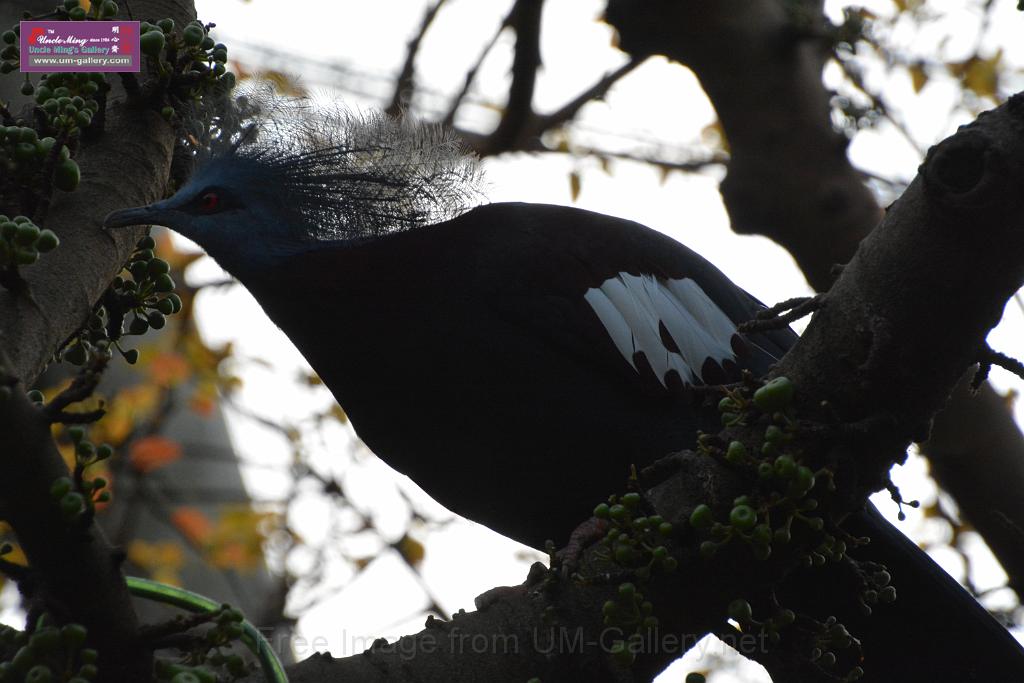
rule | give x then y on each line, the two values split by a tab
897	497
989	357
81	388
151	634
449	118
49	165
526	61
594	92
404	84
87	417
773	318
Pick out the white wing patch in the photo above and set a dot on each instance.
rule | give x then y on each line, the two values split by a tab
632	307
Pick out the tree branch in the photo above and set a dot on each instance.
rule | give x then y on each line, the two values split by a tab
404	84
903	321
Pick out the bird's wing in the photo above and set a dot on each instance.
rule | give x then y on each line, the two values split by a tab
610	290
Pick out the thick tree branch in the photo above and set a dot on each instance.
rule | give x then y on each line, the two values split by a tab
128	166
525	20
75	573
789	179
405	83
901	324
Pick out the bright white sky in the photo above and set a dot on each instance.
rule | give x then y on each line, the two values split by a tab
658	102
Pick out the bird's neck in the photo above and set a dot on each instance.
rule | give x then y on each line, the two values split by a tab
253	260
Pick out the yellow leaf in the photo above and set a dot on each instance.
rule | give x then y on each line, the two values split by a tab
918	76
412	550
132	405
574	185
203	399
153	452
980	76
161	560
713	135
236	541
663	173
338	414
16	556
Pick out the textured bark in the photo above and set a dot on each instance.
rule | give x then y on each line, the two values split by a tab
77	570
127	166
789	179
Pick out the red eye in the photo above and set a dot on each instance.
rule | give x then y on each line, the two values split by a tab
209	202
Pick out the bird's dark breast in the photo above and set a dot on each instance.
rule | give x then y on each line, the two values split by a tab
491	410
468	358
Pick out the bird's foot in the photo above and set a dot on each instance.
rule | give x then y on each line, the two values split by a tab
585	535
783	313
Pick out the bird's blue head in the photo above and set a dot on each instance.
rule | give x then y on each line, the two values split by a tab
295	177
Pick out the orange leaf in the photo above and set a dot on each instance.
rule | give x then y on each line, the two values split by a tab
169	369
193	524
153	452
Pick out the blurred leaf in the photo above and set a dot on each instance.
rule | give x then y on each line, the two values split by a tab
284	83
162	559
338	414
918	76
236	540
204	399
129	407
1010	399
574	185
980	76
193	524
178	258
153	452
169	369
713	135
908	5
412	550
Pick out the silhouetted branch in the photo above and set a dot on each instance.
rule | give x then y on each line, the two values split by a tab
405	84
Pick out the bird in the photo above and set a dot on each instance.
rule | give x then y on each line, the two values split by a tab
515	360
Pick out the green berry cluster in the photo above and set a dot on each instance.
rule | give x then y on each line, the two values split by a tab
77	497
69	101
189	54
47	654
144	292
634	616
635	541
21	242
226	629
740	611
782	484
97	10
24	154
876	588
10	54
830	642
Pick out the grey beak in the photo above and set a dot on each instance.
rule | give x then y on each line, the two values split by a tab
139	215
